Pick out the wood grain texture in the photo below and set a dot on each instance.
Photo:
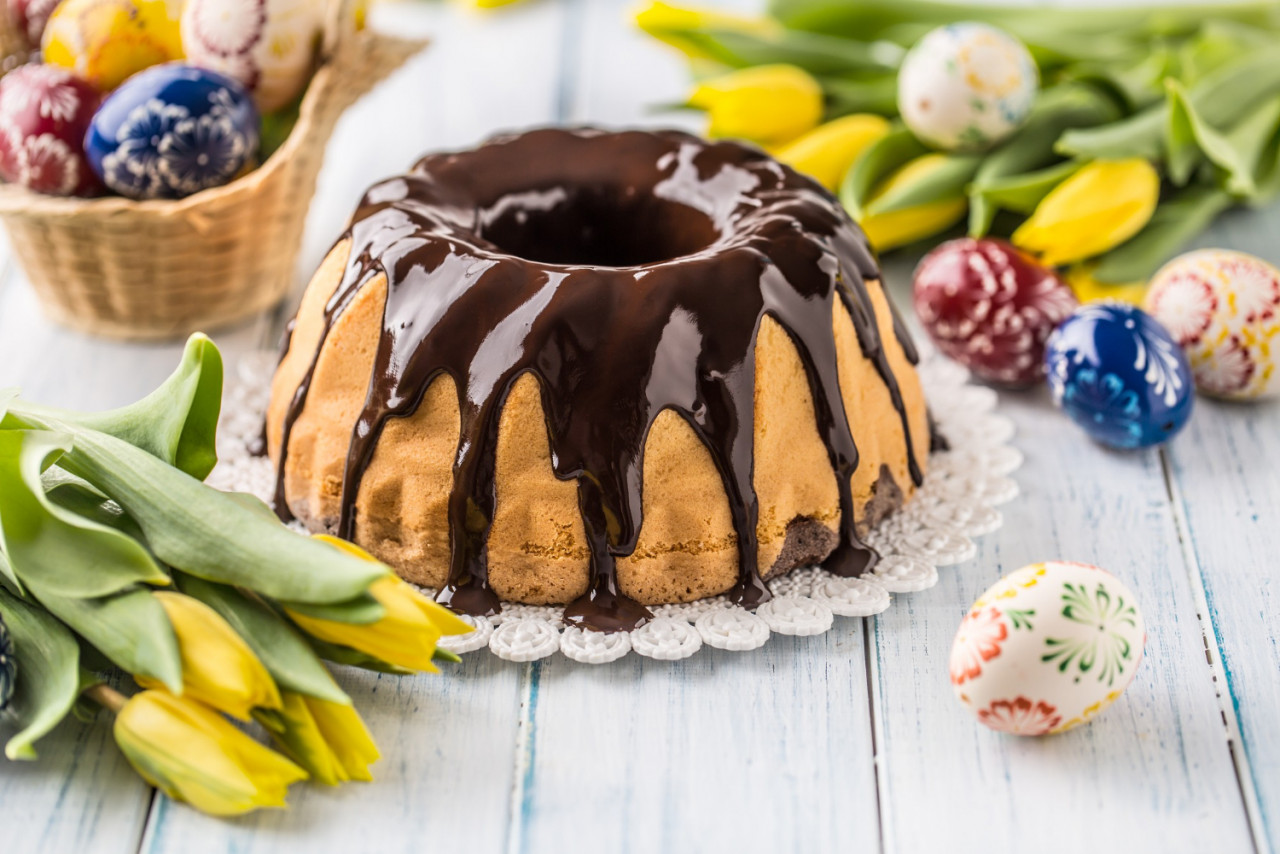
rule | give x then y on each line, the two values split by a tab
1151	774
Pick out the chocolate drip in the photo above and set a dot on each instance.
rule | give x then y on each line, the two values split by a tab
629	273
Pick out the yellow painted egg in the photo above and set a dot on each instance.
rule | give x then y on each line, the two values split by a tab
1047	648
1223	307
103	42
268	45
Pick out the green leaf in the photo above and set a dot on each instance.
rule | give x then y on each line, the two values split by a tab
287	656
945	182
1257	138
48	680
863	94
1190	140
179	420
131	628
1018	193
199	530
65	553
1174	223
1221	99
881	159
353	658
360	610
75	495
814	52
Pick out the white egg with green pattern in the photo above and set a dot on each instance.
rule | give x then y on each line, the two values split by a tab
966	86
1047	648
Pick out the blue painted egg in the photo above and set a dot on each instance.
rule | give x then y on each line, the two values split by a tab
171	131
1119	375
8	666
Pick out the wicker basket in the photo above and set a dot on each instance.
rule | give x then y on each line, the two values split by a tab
163	269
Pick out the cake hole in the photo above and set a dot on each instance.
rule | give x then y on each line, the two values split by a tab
598	226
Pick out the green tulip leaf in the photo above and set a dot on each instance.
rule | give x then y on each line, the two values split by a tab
1017	193
876	93
360	610
945	182
816	53
48	682
208	533
130	628
67	554
1257	138
339	654
1174	223
179	420
281	648
73	494
880	160
1190	140
8	580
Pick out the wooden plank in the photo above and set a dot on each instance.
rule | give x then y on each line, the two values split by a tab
447	745
768	750
1151	774
1226	480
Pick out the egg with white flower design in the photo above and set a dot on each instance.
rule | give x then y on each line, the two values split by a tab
1046	648
1223	307
268	45
171	131
1119	375
44	112
966	86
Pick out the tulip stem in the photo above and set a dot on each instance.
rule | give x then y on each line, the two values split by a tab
107	697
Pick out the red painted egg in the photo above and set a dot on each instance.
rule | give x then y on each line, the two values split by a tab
44	113
29	18
991	308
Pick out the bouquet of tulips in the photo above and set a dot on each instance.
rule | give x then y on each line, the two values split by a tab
115	554
1148	122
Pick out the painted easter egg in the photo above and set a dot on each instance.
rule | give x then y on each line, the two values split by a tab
268	46
966	86
1047	648
8	666
29	18
1119	375
990	307
171	131
106	41
1223	307
44	112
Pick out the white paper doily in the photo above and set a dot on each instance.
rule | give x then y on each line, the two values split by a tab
962	489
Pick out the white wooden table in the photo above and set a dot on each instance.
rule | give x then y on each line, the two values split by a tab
850	741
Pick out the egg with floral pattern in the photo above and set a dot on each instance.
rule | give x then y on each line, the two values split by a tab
44	112
106	41
29	18
1223	307
1047	648
990	307
171	131
966	86
268	45
8	666
1119	375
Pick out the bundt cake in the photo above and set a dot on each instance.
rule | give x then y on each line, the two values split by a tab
604	369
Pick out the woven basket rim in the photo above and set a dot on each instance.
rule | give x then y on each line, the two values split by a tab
20	200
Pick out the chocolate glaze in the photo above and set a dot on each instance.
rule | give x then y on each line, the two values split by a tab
629	272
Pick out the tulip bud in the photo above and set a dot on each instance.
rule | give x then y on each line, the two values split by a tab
898	227
1088	289
193	754
406	634
768	104
673	25
826	152
218	667
1099	207
328	739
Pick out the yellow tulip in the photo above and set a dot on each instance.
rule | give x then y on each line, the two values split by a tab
218	667
407	633
328	739
1088	289
193	754
826	152
766	104
669	23
898	228
1099	207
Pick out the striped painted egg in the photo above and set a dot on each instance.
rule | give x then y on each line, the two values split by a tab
1223	307
171	131
268	45
104	42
